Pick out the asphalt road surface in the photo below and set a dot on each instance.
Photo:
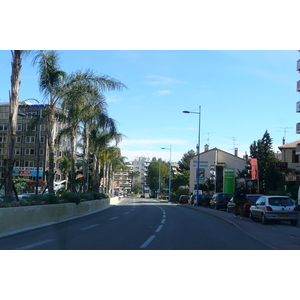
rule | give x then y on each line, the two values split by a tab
137	224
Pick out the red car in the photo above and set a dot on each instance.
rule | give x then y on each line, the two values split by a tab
184	199
251	199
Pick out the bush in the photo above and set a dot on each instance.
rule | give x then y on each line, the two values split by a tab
71	197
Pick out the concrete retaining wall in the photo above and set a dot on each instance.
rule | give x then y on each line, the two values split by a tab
14	218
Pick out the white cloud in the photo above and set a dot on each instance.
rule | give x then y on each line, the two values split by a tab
163	154
145	142
159	80
164	92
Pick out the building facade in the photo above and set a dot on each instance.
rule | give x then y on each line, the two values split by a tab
31	147
290	154
213	163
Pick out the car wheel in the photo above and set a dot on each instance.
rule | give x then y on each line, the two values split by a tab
263	219
294	222
250	216
216	207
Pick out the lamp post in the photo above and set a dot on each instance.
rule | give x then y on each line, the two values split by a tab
170	173
198	154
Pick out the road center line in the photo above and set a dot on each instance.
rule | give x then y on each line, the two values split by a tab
159	228
89	227
126	213
113	218
34	245
148	241
163	221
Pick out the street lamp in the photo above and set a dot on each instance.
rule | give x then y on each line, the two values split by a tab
170	173
198	154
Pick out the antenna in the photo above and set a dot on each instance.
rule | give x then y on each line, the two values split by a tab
207	140
284	130
233	143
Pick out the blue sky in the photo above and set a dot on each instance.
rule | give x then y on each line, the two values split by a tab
241	93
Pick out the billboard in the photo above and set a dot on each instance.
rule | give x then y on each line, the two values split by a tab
228	184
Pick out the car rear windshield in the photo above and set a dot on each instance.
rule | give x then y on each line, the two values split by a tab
252	198
281	202
225	196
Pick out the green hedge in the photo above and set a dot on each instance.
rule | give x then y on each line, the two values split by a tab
55	199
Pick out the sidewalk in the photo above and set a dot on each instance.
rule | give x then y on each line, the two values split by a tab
279	236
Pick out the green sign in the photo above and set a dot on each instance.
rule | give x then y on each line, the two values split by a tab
228	183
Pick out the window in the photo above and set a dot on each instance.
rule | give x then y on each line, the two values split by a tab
3	127
2	139
30	139
18	139
295	158
18	151
42	151
19	127
29	151
42	139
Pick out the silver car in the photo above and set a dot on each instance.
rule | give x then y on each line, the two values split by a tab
274	208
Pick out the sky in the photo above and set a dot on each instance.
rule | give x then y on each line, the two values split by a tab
241	94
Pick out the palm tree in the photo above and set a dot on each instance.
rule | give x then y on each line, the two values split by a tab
100	141
83	101
12	123
65	166
51	83
132	175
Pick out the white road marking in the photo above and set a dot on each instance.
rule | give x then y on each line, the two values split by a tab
148	241
128	212
34	245
113	218
89	227
163	221
159	228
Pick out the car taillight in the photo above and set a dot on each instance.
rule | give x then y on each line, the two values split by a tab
268	208
296	209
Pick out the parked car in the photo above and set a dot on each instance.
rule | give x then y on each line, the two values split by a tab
220	200
203	200
251	199
184	199
268	208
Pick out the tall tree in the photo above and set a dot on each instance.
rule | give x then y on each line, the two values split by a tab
82	102
262	150
16	66
51	83
184	163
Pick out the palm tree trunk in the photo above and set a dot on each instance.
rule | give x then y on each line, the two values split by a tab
12	124
73	169
50	136
85	157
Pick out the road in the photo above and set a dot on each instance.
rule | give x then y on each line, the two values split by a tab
138	224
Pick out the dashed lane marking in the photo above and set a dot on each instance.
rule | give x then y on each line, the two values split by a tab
89	227
34	245
113	218
148	241
159	228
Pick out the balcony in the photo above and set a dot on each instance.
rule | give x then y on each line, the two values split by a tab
298	86
298	65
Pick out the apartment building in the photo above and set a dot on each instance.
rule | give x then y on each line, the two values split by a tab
122	180
31	146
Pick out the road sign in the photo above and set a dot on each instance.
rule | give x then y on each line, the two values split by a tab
25	173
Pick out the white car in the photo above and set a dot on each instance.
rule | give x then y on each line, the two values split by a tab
274	208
